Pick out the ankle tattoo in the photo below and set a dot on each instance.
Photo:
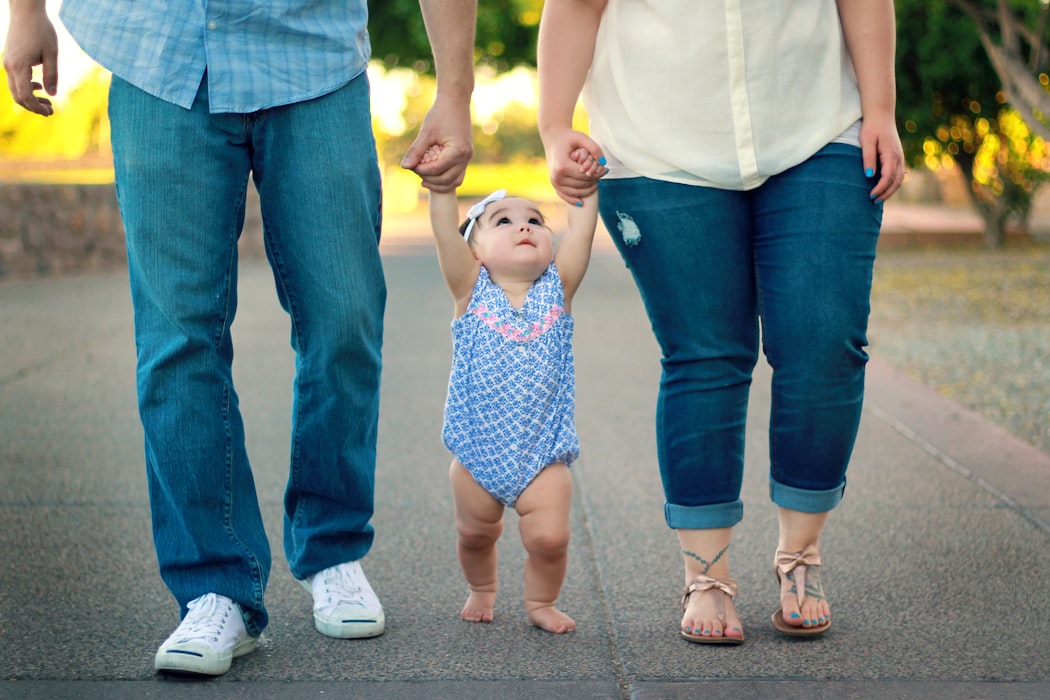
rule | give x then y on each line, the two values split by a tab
814	588
707	564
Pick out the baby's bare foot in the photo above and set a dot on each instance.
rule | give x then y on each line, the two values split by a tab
549	618
479	607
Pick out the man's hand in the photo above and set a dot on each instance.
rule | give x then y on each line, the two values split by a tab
443	148
31	41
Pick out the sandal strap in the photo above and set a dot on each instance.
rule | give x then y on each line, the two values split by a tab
703	582
799	562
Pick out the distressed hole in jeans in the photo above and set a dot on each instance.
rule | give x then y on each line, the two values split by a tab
628	229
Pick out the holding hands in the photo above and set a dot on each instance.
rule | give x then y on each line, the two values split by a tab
575	163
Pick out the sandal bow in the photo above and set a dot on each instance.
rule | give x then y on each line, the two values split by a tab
703	582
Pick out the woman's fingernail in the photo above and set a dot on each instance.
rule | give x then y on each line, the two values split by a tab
602	161
869	172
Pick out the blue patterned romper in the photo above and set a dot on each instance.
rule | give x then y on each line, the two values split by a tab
512	392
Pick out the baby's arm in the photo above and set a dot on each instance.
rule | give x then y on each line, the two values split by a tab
574	251
459	267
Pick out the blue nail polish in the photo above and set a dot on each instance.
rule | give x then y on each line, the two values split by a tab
602	161
868	172
579	204
795	616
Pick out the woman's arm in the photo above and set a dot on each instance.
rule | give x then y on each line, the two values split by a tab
870	30
568	29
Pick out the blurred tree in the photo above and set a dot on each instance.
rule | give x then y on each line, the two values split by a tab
956	109
504	114
1018	53
78	129
506	34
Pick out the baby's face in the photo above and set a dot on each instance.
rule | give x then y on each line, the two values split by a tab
511	233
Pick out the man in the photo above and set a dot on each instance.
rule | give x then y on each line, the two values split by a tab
204	95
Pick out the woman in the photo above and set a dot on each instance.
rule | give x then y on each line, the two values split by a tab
750	147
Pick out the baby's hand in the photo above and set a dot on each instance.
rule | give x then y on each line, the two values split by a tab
589	165
431	154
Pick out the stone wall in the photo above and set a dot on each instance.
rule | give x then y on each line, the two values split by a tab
70	229
55	229
58	229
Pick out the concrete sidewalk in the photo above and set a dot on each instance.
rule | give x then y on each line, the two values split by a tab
937	562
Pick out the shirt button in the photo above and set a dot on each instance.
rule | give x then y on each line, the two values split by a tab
212	25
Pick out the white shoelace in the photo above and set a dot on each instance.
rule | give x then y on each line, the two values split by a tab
341	587
205	618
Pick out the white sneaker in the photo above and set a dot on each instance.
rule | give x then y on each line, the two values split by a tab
207	640
345	606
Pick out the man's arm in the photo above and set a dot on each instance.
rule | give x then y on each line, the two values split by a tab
450	27
31	41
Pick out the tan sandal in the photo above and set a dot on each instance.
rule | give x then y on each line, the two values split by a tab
803	570
723	587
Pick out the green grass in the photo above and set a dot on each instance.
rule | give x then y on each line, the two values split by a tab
975	326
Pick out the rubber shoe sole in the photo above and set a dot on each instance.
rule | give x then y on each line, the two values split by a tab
199	659
345	628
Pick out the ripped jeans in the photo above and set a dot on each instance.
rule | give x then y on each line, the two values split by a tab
796	255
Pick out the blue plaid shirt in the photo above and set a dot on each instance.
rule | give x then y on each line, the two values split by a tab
258	53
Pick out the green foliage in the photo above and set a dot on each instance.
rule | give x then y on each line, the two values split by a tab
506	34
972	325
952	109
942	71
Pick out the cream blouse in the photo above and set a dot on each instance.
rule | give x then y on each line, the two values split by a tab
719	93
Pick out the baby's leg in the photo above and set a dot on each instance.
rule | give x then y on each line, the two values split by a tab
479	523
544	524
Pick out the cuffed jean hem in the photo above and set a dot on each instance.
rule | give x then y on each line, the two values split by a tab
804	500
709	517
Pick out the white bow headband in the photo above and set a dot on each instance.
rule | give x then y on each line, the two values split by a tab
478	209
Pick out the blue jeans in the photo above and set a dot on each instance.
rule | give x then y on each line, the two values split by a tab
181	179
795	255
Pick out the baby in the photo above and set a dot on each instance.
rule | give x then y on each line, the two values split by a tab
509	416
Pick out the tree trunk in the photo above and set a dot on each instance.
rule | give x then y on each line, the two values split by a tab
994	229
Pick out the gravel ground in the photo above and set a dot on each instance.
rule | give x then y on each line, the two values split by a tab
975	326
